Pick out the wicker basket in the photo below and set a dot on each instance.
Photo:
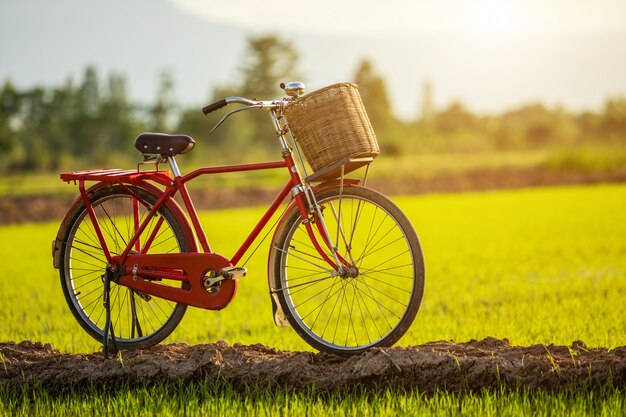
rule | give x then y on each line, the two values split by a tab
331	126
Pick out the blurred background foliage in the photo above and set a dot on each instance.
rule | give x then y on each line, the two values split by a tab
93	121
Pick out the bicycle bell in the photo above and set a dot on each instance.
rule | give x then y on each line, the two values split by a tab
293	89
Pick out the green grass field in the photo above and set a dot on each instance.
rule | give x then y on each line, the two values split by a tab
209	400
545	265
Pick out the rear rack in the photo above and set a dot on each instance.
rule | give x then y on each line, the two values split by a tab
117	175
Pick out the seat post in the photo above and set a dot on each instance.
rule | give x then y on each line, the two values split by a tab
174	166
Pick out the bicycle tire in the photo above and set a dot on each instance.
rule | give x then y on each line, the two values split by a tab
83	263
348	315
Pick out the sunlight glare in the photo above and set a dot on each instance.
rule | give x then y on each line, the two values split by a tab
495	18
489	19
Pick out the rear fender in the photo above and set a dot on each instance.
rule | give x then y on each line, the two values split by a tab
171	204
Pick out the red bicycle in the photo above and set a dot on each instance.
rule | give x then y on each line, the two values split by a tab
345	265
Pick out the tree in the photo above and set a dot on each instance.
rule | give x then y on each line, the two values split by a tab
614	116
373	90
268	61
455	118
32	138
161	110
90	93
9	109
83	126
536	125
117	116
428	108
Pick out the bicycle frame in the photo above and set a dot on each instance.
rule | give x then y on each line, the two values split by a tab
138	270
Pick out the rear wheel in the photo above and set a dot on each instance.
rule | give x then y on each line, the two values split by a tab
138	319
373	300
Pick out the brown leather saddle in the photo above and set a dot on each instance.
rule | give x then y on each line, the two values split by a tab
163	144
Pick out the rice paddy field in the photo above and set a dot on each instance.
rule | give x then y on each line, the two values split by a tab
541	265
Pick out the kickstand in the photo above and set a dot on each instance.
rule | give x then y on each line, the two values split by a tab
134	319
108	327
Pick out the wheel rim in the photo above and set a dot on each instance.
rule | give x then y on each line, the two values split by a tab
365	304
135	316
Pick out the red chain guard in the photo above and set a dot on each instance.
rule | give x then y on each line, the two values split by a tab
186	267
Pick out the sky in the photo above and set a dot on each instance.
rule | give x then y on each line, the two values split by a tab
492	55
487	18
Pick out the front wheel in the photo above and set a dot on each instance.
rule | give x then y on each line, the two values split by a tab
375	298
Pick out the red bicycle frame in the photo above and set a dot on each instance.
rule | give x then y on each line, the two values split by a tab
140	271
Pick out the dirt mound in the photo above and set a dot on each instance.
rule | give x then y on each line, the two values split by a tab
24	209
445	365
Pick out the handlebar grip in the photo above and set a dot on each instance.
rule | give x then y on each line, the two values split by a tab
215	106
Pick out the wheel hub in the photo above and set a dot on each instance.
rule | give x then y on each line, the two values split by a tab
349	272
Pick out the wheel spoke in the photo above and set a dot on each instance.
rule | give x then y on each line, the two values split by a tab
93	255
291	253
378	303
290	287
319	307
96	267
386	271
386	283
342	283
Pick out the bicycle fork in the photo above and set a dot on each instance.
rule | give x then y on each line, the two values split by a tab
340	265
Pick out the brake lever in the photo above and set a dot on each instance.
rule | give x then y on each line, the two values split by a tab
255	106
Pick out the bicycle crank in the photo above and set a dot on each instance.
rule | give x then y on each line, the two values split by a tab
211	282
159	275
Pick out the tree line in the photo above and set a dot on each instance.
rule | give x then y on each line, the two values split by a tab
93	121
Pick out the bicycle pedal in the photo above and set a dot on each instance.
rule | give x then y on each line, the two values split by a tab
233	272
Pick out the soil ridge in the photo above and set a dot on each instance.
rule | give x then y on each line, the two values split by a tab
18	209
443	365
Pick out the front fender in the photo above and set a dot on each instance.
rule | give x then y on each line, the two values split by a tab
273	281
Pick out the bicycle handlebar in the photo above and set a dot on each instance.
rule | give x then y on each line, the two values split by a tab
240	100
249	104
215	106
